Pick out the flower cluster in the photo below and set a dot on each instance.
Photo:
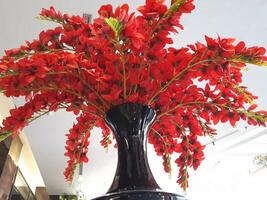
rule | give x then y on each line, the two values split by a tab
86	68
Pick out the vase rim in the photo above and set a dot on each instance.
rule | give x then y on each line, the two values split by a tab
129	103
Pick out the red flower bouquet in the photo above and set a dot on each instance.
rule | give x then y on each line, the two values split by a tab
87	68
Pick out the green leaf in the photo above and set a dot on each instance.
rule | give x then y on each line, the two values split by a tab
250	60
4	135
175	6
43	18
115	25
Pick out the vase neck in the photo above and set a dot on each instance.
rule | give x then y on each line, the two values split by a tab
130	124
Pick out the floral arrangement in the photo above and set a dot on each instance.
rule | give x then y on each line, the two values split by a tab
86	68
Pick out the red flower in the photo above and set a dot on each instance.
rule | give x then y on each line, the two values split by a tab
153	8
106	11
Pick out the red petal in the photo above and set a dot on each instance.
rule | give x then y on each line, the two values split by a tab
252	107
3	67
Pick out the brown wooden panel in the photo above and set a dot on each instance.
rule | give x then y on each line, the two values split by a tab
41	193
7	178
9	169
3	155
4	149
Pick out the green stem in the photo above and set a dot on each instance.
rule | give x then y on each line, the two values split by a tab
4	135
176	77
246	112
38	116
67	91
165	147
92	89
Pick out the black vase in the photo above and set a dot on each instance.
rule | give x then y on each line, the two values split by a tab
130	123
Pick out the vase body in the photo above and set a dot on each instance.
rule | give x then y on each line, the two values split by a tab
130	123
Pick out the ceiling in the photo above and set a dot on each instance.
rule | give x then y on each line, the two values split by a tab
228	169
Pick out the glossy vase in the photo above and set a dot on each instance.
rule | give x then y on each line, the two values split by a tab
130	123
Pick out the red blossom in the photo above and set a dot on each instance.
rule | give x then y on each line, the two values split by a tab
153	8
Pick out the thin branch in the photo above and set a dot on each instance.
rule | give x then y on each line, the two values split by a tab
62	90
174	79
